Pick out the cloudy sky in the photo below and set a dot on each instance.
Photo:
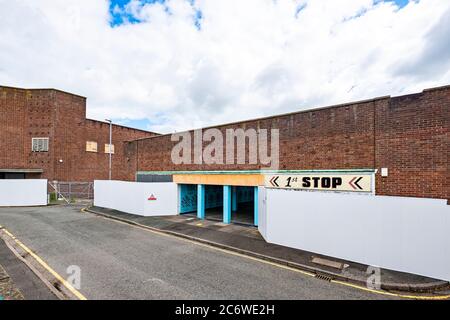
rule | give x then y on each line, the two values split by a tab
179	64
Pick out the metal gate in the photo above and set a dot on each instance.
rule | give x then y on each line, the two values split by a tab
70	191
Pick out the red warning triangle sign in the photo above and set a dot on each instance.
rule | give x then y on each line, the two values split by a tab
152	198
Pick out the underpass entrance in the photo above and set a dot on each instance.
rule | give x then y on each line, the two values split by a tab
230	204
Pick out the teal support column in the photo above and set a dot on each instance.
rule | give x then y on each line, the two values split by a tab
234	199
201	201
180	196
227	204
256	201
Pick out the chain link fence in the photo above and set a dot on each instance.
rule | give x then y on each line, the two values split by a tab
71	191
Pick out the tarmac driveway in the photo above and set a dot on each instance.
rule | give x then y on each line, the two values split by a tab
118	261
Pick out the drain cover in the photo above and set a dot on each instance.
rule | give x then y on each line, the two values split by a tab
323	277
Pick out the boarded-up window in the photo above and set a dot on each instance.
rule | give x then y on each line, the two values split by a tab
91	146
39	144
107	148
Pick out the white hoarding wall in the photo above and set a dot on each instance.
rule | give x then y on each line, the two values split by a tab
23	193
262	213
404	234
145	199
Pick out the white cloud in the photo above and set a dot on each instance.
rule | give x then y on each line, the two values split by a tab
250	58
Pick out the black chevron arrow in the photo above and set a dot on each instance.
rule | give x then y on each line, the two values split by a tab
356	183
273	181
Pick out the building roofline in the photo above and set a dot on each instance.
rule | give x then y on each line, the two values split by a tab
157	135
122	126
44	89
72	94
446	87
300	112
274	116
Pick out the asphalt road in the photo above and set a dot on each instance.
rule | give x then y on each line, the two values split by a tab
119	261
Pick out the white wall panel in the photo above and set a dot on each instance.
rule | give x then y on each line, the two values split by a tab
133	197
23	193
405	234
262	212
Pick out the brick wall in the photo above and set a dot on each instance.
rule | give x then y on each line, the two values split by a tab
12	128
99	162
61	117
408	135
412	141
340	138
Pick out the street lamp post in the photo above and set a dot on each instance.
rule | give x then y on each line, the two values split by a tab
110	147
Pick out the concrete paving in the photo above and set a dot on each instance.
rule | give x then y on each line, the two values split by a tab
119	261
22	281
244	215
8	290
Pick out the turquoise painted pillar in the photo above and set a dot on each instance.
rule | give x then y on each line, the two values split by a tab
180	196
201	201
256	201
234	199
227	204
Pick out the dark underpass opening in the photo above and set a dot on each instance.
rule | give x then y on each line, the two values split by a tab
240	199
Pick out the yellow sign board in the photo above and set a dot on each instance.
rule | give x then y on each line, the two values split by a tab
352	182
91	146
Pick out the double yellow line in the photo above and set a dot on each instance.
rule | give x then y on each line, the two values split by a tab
386	293
309	274
66	284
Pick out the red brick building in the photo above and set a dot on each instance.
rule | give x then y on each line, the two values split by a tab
44	133
408	135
